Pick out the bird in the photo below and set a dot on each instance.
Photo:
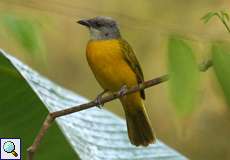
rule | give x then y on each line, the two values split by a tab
116	68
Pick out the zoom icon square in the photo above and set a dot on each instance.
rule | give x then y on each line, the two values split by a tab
10	149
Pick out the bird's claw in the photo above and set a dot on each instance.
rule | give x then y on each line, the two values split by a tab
123	90
98	99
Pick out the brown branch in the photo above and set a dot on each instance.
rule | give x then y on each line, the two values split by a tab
111	97
51	116
46	125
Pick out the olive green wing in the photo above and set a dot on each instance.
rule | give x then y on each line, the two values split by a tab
133	63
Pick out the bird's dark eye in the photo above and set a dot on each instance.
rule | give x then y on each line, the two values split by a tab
97	24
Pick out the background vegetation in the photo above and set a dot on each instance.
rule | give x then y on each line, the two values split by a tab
55	46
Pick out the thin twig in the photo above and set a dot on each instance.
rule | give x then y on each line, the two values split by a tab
46	125
111	97
52	116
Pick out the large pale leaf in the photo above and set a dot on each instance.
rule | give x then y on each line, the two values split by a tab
183	75
95	134
221	63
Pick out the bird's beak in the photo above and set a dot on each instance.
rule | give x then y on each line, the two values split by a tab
84	22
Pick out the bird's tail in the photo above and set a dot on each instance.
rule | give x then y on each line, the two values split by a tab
138	124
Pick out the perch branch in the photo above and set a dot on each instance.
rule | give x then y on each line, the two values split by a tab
46	125
52	116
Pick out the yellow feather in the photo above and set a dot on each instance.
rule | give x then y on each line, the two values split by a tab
108	64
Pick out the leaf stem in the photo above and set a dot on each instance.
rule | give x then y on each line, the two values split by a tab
224	22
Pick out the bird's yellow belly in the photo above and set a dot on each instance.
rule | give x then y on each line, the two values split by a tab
109	66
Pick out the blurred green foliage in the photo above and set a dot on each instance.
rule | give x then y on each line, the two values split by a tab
221	54
27	32
184	75
221	63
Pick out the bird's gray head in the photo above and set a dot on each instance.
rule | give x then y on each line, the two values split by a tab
101	28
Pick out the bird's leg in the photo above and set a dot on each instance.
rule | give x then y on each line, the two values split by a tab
99	97
123	90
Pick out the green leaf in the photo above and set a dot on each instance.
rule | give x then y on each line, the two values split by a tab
94	133
221	63
208	16
22	114
184	75
26	32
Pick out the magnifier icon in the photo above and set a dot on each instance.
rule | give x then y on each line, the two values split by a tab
9	147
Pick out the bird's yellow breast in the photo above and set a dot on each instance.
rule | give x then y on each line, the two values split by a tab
107	61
